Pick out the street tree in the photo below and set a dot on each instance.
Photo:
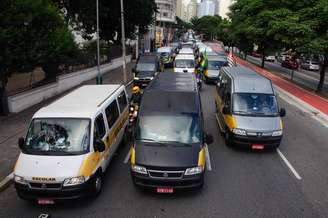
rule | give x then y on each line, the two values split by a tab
32	33
81	14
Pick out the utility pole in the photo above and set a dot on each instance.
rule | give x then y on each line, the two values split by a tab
137	43
99	78
123	43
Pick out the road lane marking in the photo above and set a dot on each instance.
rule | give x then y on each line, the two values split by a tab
128	155
289	165
6	181
208	159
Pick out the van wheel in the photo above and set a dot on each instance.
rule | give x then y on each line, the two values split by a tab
96	184
227	138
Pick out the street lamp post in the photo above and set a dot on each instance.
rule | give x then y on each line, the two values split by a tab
99	78
123	43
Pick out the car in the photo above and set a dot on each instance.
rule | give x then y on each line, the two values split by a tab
184	63
290	63
187	51
146	69
247	109
70	144
270	58
310	65
211	73
166	56
168	151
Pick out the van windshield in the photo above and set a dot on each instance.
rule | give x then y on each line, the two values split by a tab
58	136
255	104
145	67
216	65
184	63
184	128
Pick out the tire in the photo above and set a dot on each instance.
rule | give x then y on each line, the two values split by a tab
96	186
227	138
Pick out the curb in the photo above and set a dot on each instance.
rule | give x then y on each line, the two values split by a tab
6	182
303	106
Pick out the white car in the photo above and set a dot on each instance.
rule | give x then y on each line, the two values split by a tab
184	63
270	58
310	65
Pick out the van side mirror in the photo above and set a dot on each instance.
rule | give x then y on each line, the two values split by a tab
99	145
226	109
209	138
282	112
21	143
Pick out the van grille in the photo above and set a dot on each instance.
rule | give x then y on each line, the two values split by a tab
166	174
35	185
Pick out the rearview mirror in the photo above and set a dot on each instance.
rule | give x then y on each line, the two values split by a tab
282	112
21	143
208	139
99	145
226	109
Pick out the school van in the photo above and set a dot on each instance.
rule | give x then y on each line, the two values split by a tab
69	144
184	63
169	146
247	109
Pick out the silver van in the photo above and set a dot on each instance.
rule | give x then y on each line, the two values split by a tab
247	109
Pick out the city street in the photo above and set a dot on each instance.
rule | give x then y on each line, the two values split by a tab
308	79
241	183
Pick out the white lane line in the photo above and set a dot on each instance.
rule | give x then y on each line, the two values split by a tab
128	155
289	165
208	159
6	181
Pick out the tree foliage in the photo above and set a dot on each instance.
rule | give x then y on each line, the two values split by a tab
81	14
32	33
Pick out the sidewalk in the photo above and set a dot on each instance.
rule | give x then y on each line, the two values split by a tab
15	125
309	98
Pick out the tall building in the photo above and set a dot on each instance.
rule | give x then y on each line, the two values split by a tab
191	9
179	8
224	7
217	7
206	7
166	11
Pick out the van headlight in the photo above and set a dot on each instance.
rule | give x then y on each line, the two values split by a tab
74	181
20	180
136	78
277	133
194	171
239	131
139	169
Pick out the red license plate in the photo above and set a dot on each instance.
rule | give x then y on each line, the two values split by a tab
257	147
165	190
45	201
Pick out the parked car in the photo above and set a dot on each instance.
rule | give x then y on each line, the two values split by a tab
270	58
290	63
310	65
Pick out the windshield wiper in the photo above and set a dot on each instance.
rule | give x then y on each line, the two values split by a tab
153	141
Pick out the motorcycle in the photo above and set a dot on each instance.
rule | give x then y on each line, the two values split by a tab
133	114
199	78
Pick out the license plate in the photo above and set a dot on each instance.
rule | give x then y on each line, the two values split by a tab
165	190
45	201
257	147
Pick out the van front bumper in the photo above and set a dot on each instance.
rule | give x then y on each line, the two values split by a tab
248	141
209	79
186	182
64	193
141	82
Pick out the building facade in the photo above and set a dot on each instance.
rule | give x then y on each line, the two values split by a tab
224	7
206	7
166	11
191	10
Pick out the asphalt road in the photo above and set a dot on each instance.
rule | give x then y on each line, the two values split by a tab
307	78
242	183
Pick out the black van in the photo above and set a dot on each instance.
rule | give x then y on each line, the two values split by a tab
168	152
146	69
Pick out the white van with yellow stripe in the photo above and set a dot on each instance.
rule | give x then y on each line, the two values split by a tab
70	143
